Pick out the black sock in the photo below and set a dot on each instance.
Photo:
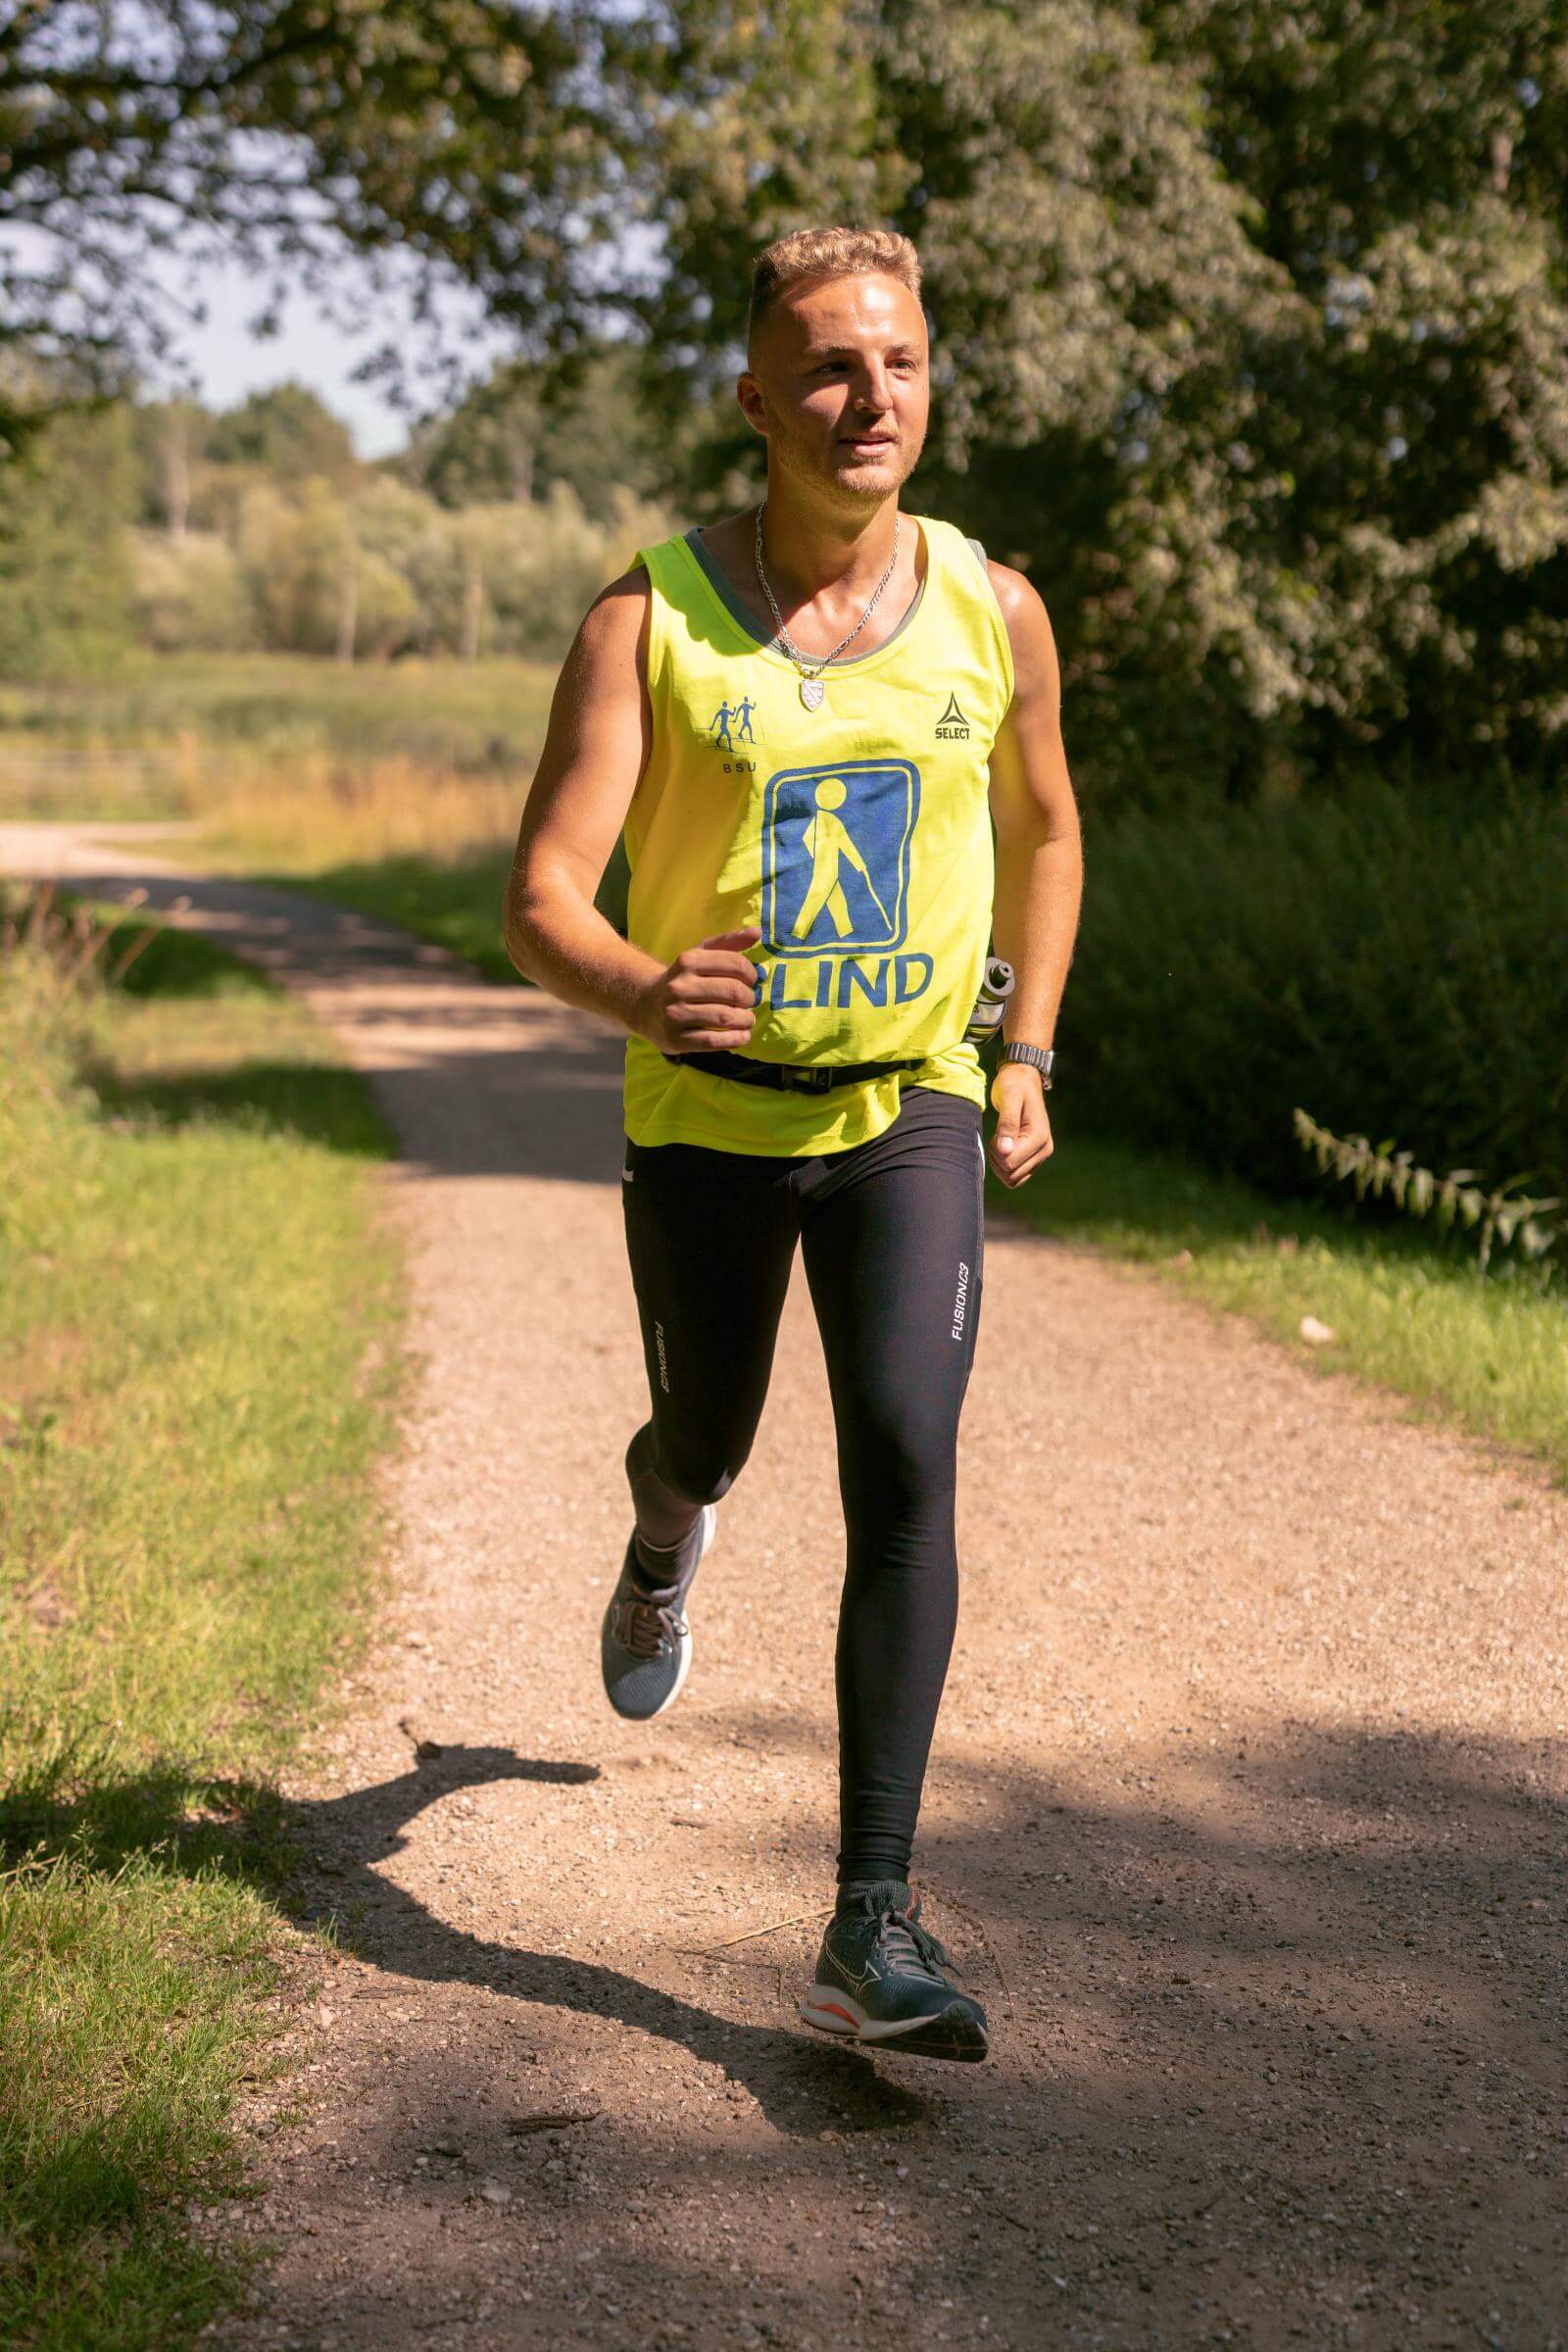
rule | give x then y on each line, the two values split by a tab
890	1894
657	1567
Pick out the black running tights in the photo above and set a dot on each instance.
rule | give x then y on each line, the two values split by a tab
891	1232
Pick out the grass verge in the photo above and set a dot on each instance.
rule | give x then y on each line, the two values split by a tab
1407	1312
198	1308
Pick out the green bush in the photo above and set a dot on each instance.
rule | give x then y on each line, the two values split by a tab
189	598
1398	966
66	505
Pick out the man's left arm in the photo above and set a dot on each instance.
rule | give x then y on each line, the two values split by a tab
1039	872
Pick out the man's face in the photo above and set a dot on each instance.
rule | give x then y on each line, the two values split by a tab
838	385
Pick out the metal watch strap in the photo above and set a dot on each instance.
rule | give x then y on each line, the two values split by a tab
1038	1058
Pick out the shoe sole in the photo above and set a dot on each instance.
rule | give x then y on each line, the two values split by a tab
684	1666
953	2033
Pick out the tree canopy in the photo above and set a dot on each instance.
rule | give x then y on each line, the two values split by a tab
1252	335
461	132
1252	326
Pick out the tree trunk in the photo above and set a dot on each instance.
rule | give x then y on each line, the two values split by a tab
176	471
348	608
472	604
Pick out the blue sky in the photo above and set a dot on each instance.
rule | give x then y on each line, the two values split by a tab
226	361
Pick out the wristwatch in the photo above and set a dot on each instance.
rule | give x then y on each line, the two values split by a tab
1038	1058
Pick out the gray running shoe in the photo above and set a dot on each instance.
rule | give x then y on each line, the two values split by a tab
645	1645
880	1979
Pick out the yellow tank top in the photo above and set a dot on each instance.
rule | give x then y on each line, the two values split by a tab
856	837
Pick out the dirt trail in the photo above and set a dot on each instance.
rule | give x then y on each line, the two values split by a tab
1245	1818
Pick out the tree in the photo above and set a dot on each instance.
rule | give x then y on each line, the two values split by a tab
189	596
461	133
1252	343
296	552
170	439
287	433
485	448
65	557
1097	301
1407	159
601	436
586	420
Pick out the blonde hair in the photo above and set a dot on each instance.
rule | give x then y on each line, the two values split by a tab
819	253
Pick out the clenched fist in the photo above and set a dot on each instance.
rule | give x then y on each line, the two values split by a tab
1022	1141
706	1001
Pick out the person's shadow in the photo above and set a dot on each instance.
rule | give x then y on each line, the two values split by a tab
800	2084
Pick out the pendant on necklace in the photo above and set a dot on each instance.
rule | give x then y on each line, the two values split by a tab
811	692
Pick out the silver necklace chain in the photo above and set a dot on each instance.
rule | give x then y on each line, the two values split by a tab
808	665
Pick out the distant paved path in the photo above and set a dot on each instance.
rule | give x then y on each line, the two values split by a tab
1250	1766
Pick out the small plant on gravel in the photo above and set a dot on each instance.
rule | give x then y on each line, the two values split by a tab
1500	1215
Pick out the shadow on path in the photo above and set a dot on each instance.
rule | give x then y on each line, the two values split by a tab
799	2082
475	1078
1282	2020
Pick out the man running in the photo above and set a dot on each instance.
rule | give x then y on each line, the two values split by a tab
805	945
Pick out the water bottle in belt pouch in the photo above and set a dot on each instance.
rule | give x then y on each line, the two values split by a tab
995	987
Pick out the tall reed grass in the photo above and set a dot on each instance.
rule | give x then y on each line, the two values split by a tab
306	811
319	811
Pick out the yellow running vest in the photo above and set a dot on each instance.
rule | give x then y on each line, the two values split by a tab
856	837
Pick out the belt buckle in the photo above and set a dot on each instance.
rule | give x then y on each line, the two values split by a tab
818	1081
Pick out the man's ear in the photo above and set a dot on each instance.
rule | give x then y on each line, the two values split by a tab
752	401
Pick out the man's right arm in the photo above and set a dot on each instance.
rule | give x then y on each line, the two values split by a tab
595	752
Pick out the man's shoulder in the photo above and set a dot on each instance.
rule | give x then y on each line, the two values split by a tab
1013	590
1026	620
619	608
1030	637
1020	600
611	641
632	586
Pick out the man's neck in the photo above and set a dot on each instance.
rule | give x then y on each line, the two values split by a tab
808	548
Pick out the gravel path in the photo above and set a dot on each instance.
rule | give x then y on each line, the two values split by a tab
1245	1818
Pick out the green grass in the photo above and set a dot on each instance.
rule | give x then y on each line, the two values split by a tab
442	710
1408	1311
199	1310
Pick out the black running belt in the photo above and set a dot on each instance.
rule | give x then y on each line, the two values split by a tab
792	1077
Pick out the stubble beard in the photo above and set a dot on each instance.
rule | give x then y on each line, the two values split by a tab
799	463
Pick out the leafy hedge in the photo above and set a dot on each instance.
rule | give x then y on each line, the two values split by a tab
1396	965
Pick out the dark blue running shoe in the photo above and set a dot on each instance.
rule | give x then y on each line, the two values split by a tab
645	1645
880	1979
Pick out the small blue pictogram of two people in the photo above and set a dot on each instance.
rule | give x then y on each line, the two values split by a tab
737	715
